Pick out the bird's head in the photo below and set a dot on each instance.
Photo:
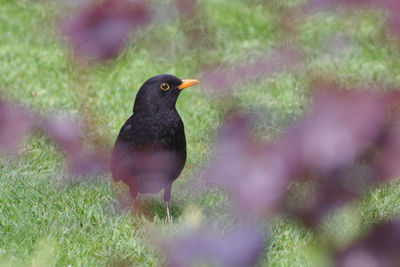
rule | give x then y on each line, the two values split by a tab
160	93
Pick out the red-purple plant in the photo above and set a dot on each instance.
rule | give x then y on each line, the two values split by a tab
100	32
15	123
380	247
241	247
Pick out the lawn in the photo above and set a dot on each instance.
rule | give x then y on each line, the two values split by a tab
47	222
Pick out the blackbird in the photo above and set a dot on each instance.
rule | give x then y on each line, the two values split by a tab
150	151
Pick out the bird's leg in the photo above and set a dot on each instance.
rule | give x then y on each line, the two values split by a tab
133	196
167	196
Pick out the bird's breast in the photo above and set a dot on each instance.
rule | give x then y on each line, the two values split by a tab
149	148
163	131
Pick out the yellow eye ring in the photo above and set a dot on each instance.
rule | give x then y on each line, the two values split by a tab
164	86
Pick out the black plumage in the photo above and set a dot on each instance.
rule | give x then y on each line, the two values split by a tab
150	151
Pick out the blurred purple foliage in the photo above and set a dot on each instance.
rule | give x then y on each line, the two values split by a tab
324	146
222	80
241	247
391	6
156	164
186	8
380	248
257	175
100	32
341	125
15	122
64	131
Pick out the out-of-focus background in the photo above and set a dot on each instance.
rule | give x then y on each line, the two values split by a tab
45	221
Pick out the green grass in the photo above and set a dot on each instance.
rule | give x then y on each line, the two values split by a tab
43	221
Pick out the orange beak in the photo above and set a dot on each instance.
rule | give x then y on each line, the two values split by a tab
187	83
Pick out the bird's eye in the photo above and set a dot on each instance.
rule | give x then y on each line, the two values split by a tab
164	86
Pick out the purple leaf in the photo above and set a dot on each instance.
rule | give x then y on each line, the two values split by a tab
65	132
340	127
392	6
186	8
388	160
257	175
90	162
322	4
100	32
381	247
15	123
225	79
328	195
146	169
241	247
